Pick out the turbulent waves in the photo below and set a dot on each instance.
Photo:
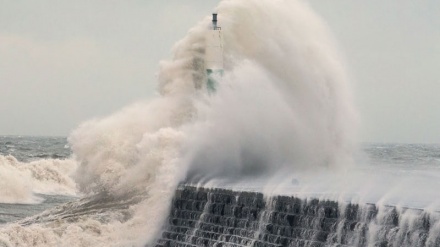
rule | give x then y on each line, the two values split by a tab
219	217
22	181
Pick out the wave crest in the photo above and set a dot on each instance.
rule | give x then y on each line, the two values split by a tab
20	182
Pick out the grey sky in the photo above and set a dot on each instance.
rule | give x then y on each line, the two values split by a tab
393	50
62	62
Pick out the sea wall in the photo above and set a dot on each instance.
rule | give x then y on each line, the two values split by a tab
220	217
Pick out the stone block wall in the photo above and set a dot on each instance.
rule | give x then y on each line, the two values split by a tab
220	217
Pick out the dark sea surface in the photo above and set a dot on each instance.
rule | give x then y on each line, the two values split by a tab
408	155
30	148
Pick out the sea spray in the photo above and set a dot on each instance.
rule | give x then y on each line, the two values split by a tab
284	104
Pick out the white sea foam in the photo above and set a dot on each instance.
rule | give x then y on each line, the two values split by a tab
283	104
20	182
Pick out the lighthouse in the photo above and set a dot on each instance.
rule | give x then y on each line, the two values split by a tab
214	54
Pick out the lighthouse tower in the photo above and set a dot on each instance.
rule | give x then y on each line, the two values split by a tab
214	54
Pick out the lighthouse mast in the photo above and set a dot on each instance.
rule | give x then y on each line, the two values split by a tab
214	54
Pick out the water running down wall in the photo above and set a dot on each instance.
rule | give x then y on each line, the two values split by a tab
220	217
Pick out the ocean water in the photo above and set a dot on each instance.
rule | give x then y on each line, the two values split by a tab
26	148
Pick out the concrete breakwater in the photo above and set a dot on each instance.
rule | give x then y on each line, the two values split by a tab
221	217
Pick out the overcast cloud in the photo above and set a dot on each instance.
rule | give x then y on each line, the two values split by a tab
393	50
63	62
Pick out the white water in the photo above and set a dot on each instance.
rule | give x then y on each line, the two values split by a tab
19	182
283	104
